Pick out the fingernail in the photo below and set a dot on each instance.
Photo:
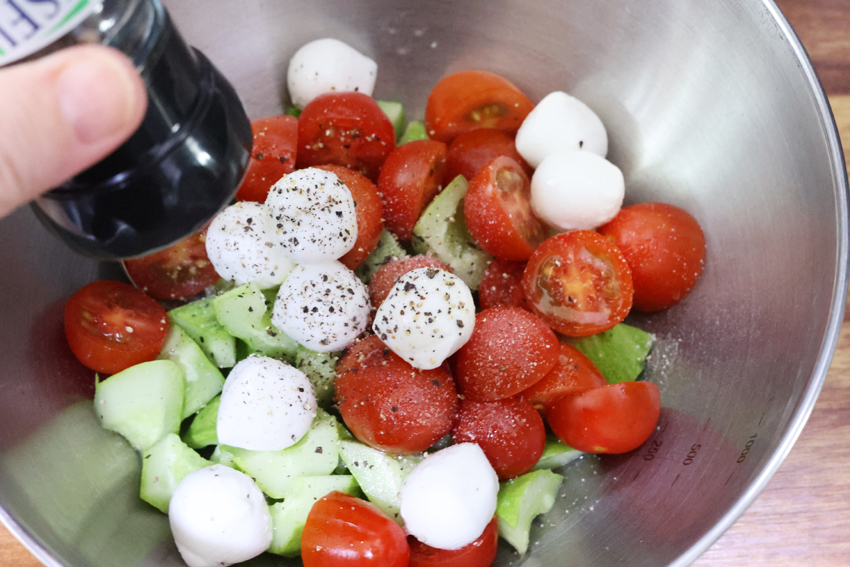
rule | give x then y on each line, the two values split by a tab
99	97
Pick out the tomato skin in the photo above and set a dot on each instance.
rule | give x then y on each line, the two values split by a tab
573	372
469	100
510	349
665	249
498	211
411	177
397	408
370	351
509	431
272	157
579	283
472	150
180	271
111	326
345	531
479	553
369	211
616	418
384	279
502	285
347	129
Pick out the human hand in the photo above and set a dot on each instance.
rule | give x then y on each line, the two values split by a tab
61	114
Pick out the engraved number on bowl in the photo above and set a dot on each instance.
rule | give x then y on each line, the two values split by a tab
747	447
653	449
689	459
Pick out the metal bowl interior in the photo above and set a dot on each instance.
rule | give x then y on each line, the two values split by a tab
711	106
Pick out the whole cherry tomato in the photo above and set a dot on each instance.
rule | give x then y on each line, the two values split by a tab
272	157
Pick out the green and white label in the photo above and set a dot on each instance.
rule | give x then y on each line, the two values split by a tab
26	26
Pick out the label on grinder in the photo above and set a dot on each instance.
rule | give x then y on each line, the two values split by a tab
27	26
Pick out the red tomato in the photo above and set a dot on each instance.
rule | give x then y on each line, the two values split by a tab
397	408
498	211
179	271
573	372
479	553
384	279
369	210
665	249
472	150
509	431
273	156
347	129
579	283
411	177
370	351
111	326
611	419
470	100
345	531
502	285
510	349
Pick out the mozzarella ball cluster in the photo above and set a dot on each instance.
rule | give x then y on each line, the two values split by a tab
328	65
427	316
573	187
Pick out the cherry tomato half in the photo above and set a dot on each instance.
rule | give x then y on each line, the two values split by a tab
370	351
369	211
178	272
498	211
347	129
411	177
273	156
470	100
384	279
616	418
479	553
573	372
502	285
345	531
111	326
665	249
472	150
579	283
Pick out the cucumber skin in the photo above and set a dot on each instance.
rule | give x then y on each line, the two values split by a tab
164	465
619	353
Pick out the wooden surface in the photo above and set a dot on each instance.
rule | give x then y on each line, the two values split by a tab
803	517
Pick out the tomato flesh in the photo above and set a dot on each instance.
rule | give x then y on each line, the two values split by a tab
479	553
472	150
573	372
272	156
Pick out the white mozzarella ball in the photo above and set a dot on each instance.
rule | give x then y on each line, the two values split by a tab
427	316
560	123
450	497
266	405
219	517
241	249
323	306
577	191
312	216
328	65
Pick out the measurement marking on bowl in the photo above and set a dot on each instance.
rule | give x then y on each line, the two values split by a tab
675	479
728	479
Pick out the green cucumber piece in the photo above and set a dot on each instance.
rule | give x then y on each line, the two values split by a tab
164	465
619	353
289	516
395	112
199	321
379	475
387	250
415	131
143	403
442	231
243	312
293	111
315	454
222	456
203	379
556	454
319	367
521	500
202	432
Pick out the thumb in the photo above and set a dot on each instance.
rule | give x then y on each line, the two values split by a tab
62	114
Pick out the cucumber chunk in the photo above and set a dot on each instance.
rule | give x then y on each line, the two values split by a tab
379	475
315	454
521	500
442	231
199	321
203	379
415	131
619	353
142	403
243	312
387	250
163	467
556	454
202	432
222	456
395	112
289	516
319	367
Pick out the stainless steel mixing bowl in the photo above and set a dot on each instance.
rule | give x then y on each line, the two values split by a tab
711	106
